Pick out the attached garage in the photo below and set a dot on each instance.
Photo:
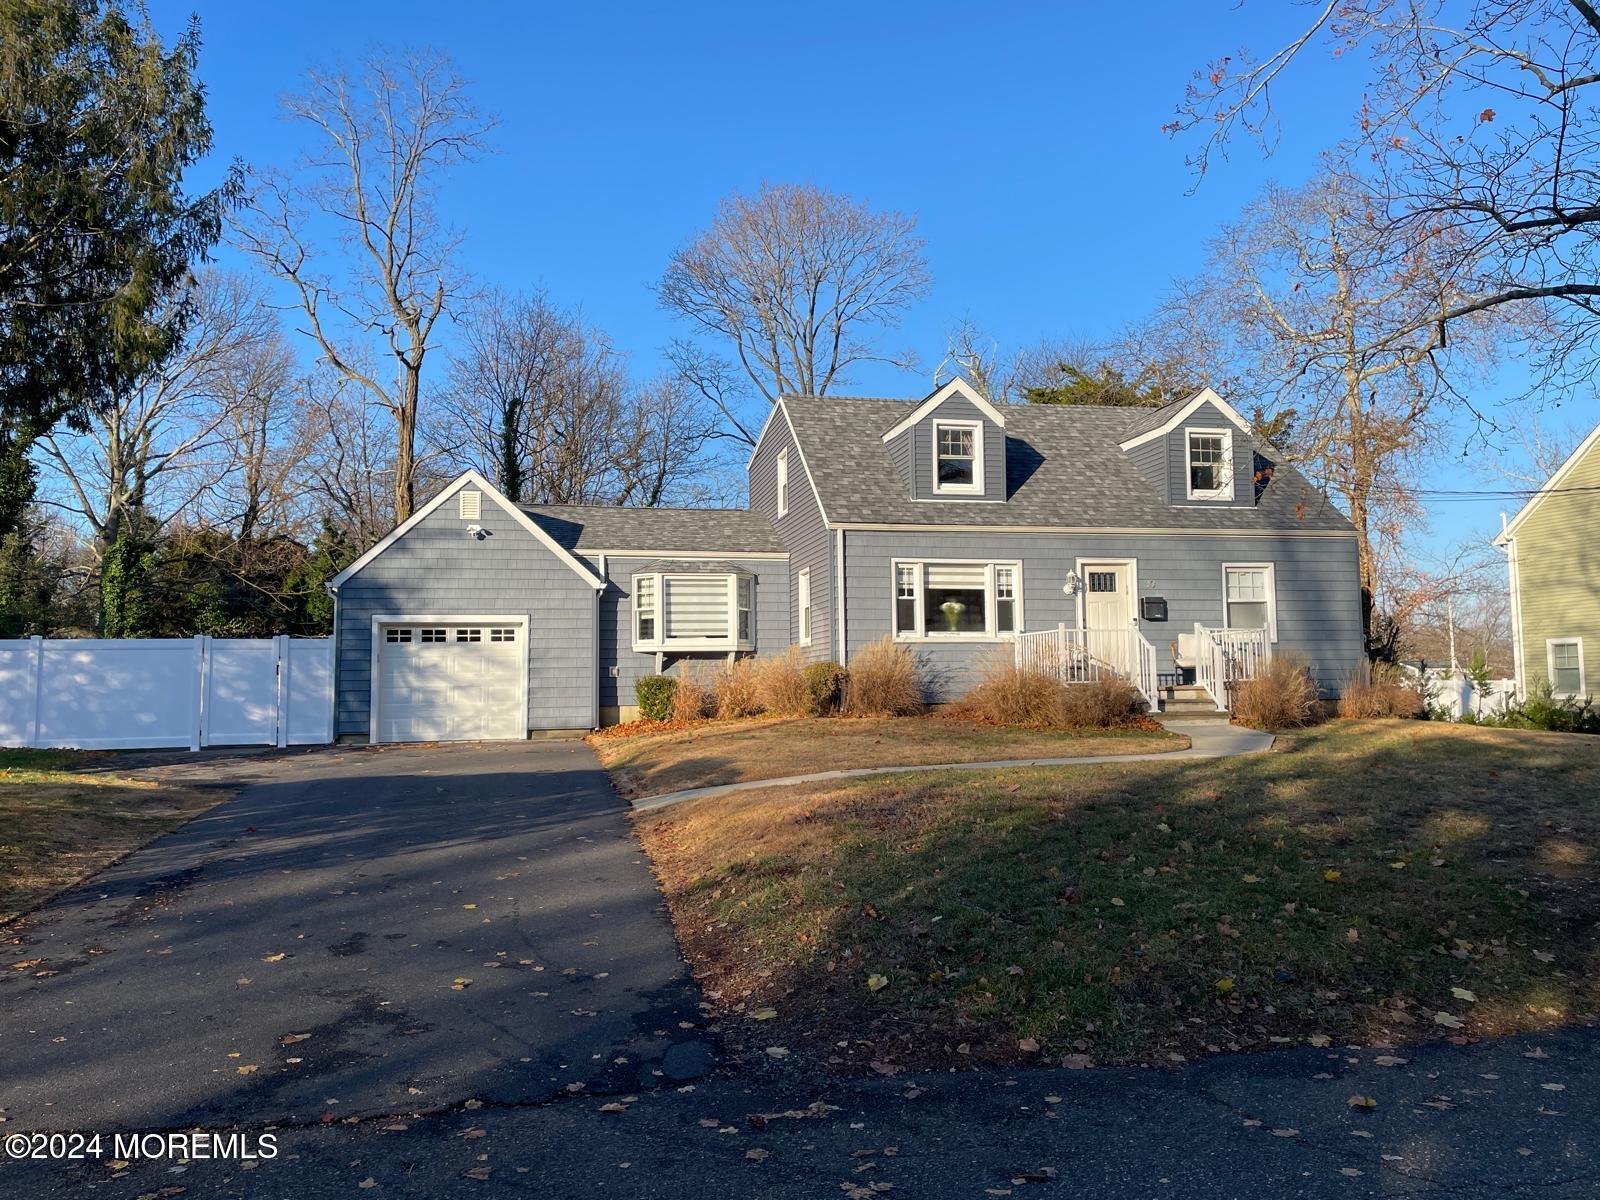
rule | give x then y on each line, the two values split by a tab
449	679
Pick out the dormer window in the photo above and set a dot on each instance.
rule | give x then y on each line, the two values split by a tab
1210	463
957	457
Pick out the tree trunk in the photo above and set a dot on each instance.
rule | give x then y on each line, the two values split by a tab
405	453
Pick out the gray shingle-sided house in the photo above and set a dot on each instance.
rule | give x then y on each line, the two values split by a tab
1162	544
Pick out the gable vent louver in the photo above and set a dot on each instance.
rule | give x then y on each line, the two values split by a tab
471	504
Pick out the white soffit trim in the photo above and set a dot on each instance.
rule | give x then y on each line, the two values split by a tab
474	479
1184	413
956	387
1552	484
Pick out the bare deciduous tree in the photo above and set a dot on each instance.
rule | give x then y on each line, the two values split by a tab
800	283
1477	116
156	449
350	460
382	141
542	402
1304	299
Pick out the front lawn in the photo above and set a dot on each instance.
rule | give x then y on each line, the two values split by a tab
1365	881
65	815
645	762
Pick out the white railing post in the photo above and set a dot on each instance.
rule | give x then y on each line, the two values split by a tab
35	735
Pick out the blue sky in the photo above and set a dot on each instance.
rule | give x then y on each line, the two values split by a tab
1027	139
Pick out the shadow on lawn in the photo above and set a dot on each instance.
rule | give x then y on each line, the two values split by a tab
1341	887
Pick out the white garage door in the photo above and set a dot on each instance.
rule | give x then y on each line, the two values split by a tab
451	683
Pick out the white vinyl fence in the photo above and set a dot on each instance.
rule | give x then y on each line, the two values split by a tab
166	692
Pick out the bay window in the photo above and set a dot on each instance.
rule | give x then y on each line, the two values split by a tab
955	600
1249	598
710	610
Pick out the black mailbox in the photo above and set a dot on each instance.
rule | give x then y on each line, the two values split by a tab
1152	608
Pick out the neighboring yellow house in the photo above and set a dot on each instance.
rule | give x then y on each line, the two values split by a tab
1553	556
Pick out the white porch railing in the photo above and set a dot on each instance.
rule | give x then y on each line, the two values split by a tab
1087	655
1225	657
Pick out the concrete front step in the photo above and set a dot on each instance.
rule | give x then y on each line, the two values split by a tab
1183	711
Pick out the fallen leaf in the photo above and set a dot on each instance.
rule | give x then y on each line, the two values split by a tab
1028	1046
763	1014
477	1172
1350	1171
1319	1040
290	1039
368	1182
1448	1021
1544	956
279	957
460	984
469	906
1362	1102
1224	985
1461	993
1251	878
1389	1060
877	983
247	1070
1077	1062
777	1052
1554	1087
1284	1132
1332	876
757	1154
1116	902
473	1134
613	1107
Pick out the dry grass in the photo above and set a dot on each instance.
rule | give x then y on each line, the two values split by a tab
654	761
1010	694
693	699
1337	888
736	690
1283	696
1378	693
781	684
60	823
883	681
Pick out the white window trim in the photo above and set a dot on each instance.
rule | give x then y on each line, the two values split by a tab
1550	645
658	609
783	483
1224	490
989	634
804	617
503	620
975	488
1272	593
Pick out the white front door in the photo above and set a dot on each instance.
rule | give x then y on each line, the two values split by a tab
441	682
1108	613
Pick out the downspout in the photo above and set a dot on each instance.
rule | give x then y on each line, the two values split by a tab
1514	580
605	581
838	558
333	705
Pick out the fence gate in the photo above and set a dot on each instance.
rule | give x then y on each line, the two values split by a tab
166	692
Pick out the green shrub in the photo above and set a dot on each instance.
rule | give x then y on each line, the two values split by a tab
654	693
825	684
1540	709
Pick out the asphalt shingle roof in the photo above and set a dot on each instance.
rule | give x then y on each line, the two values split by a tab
1064	467
582	527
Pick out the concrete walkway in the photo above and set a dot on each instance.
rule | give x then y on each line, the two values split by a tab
1207	739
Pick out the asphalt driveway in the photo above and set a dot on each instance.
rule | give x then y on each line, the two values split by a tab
357	932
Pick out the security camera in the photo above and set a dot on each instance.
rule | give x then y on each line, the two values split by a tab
477	532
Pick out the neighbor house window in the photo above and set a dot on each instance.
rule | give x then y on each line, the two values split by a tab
957	599
783	482
1565	657
1210	464
957	456
1249	598
803	605
711	610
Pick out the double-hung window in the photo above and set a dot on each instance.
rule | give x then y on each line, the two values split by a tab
1210	464
693	610
1249	598
957	457
1565	663
972	600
